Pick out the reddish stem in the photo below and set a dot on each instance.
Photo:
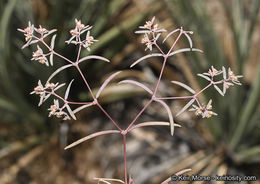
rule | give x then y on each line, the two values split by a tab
109	117
125	159
51	50
139	114
181	32
159	80
66	101
195	95
85	81
83	77
79	51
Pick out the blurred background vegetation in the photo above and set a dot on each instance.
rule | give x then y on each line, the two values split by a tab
31	144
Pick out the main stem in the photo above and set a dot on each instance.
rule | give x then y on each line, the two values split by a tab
125	160
152	99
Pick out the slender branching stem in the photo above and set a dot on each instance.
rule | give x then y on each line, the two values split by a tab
66	101
51	50
160	77
177	39
83	77
109	116
80	28
210	84
139	114
85	81
125	159
79	51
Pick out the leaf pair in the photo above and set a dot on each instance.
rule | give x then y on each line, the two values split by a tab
157	100
161	55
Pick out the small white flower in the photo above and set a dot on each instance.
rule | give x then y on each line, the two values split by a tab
37	54
208	114
234	78
147	42
204	110
79	25
56	110
214	72
148	25
155	28
28	32
39	90
145	39
53	110
228	84
88	41
74	32
41	30
50	85
40	57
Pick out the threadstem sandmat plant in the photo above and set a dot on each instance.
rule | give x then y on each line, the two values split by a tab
80	36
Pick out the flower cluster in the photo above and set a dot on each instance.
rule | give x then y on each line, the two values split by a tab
44	91
77	32
213	72
147	42
88	41
39	90
28	32
41	30
204	111
40	57
229	79
30	38
55	110
234	78
79	27
150	29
